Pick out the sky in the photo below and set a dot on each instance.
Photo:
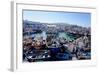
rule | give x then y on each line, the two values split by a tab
74	18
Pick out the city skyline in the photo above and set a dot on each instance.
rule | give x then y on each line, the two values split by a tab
74	18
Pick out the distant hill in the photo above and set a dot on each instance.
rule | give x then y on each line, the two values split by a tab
59	27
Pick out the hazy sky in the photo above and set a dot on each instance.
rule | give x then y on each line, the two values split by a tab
81	19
